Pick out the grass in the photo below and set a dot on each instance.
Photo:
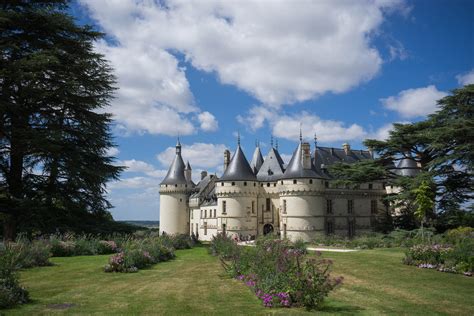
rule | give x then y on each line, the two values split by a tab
375	283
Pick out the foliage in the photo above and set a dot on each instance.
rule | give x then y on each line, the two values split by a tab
141	253
279	273
52	124
11	293
441	144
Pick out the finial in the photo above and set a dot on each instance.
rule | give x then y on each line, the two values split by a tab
271	140
178	142
238	138
301	134
315	141
276	146
256	143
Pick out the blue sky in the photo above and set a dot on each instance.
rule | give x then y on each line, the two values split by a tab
345	70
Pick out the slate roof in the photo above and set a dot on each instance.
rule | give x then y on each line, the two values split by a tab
257	160
407	167
326	156
295	168
175	173
238	168
272	168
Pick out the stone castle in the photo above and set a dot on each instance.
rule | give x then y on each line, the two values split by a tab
297	201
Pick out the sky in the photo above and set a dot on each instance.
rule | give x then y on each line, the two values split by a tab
207	70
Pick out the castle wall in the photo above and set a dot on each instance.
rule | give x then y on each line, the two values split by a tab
234	207
303	215
174	209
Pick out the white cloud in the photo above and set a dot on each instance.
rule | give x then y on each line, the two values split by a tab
136	166
112	151
199	155
280	53
133	183
412	103
466	78
208	122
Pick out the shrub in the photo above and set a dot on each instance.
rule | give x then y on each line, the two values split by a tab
278	271
223	246
11	293
61	248
34	253
140	253
106	247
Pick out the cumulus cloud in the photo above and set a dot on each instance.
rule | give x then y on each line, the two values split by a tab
208	121
412	103
199	155
280	53
133	183
112	151
466	78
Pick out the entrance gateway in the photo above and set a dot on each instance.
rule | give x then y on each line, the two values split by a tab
267	229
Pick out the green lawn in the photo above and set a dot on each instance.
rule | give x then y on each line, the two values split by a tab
375	283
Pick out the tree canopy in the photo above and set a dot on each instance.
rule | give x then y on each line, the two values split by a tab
54	133
442	145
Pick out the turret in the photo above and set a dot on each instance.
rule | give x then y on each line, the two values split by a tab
257	159
174	191
188	173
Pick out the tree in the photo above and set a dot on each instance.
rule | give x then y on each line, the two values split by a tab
54	134
424	200
441	145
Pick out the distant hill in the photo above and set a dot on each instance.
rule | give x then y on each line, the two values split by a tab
147	224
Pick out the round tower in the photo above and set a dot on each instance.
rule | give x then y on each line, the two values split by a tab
301	197
174	192
237	192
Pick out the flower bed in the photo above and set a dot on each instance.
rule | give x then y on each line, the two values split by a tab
279	273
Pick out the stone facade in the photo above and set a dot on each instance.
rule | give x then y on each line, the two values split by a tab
301	202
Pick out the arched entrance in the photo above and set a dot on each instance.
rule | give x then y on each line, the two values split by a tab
267	229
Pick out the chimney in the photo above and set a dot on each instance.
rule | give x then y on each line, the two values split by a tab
226	159
306	156
203	174
346	148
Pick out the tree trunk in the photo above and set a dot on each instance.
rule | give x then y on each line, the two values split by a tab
9	228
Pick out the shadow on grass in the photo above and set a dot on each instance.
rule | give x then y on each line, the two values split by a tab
349	310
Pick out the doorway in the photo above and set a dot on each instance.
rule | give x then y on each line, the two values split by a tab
267	229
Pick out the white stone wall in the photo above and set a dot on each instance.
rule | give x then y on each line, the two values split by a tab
237	197
174	210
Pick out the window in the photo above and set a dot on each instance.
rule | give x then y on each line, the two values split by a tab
201	213
222	184
181	200
253	207
254	184
281	182
284	206
373	207
329	206
205	228
294	181
350	206
197	229
245	184
261	184
268	184
224	207
215	213
268	203
371	186
205	214
223	229
175	185
284	231
274	184
326	184
329	228
310	181
233	183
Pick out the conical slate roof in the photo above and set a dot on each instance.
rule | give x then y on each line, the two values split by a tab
407	167
188	166
238	168
295	168
175	173
257	160
272	168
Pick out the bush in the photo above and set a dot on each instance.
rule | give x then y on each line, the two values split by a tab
61	248
140	253
11	293
106	247
278	271
34	253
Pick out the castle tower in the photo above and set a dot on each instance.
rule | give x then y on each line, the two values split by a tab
174	192
236	193
301	197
